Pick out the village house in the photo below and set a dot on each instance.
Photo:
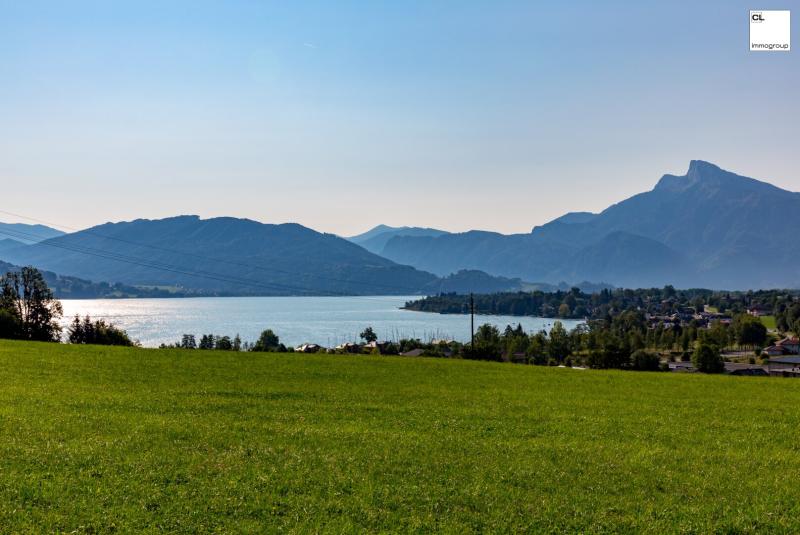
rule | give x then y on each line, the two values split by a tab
791	345
784	366
774	351
379	345
759	311
348	347
307	348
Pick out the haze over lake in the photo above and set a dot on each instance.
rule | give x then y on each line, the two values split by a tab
324	320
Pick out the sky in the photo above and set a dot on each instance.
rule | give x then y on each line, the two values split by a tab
342	115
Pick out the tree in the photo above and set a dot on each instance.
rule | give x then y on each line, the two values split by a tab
488	345
645	361
749	330
25	297
559	342
98	333
188	342
706	359
268	341
9	325
368	335
223	343
206	342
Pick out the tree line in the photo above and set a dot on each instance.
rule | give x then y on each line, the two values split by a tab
575	304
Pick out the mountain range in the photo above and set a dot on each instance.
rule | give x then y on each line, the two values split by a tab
708	228
229	256
375	239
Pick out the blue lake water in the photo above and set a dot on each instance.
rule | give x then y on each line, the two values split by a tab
323	320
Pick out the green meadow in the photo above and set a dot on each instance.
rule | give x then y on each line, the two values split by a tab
100	439
769	322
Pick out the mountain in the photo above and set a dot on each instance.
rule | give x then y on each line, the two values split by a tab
8	244
375	239
27	234
229	256
709	228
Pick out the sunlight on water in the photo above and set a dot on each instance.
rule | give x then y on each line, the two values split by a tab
323	320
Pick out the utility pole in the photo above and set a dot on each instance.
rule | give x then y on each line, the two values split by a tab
472	321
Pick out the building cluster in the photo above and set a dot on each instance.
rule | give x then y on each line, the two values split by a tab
684	316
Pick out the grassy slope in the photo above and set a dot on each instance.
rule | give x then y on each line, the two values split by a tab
101	438
769	322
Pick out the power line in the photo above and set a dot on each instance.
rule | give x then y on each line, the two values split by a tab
169	268
160	266
209	259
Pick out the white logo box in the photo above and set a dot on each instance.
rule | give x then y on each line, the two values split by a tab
770	31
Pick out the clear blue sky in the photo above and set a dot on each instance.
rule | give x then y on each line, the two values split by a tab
340	116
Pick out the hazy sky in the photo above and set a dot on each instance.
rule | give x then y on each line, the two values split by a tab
340	116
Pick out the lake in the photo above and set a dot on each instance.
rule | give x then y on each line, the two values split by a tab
328	321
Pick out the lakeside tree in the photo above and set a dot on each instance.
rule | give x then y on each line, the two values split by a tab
268	342
30	310
188	342
98	332
206	342
488	345
368	335
223	343
559	346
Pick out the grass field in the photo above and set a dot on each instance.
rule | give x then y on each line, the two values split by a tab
768	321
111	439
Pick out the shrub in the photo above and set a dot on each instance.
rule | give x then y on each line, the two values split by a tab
9	325
645	361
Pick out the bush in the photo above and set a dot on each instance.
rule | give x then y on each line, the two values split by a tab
9	325
645	361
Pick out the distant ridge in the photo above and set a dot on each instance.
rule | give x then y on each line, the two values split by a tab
27	234
707	228
375	239
230	256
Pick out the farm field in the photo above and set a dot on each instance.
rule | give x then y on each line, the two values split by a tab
99	439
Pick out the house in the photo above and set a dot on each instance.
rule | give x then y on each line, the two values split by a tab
774	351
377	345
738	368
785	366
750	371
759	310
307	348
413	353
348	347
791	346
681	367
